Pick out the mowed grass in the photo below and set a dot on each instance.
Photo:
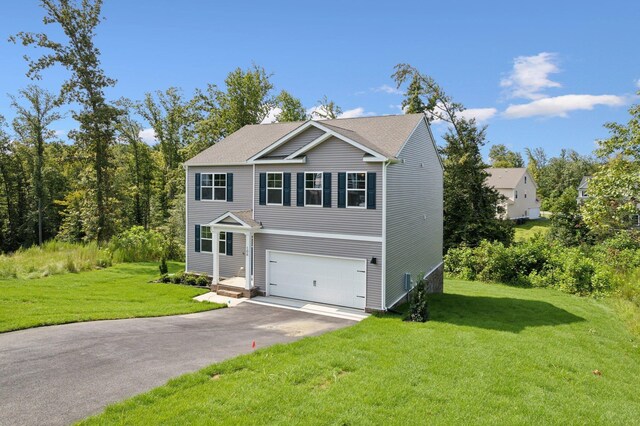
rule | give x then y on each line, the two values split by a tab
121	291
491	355
528	229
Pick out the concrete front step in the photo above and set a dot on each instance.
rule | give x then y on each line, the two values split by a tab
230	293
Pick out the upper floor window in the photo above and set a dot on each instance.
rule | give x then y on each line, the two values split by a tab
274	188
516	193
525	195
214	186
313	189
357	189
525	180
206	239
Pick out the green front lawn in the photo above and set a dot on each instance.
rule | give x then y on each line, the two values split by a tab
491	355
121	291
531	227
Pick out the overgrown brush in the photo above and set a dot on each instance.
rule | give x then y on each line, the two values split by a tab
539	262
53	258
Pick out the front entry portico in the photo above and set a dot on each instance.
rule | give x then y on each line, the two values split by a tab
236	222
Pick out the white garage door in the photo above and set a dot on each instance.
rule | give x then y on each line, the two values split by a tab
333	280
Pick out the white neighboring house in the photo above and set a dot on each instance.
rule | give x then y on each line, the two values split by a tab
517	185
582	189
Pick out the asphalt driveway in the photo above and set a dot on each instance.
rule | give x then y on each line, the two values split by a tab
60	374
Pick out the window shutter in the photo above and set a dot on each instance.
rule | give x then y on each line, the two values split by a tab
371	190
326	190
229	186
263	189
198	237
286	189
342	190
229	244
197	186
300	189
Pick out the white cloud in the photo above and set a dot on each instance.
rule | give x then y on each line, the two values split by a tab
148	136
385	88
480	114
638	83
350	113
530	76
560	106
60	133
272	117
355	112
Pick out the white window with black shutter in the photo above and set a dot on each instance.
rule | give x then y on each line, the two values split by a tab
204	241
313	189
274	188
214	186
357	190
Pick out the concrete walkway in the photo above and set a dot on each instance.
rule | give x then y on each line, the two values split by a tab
60	374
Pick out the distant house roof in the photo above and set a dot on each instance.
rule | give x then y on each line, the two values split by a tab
584	182
385	134
505	178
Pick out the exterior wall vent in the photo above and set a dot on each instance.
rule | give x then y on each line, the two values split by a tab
406	280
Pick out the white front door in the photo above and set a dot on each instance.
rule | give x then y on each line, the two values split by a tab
324	279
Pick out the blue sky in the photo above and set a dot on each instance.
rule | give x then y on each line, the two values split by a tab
542	74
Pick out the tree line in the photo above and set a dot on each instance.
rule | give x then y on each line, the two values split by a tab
108	179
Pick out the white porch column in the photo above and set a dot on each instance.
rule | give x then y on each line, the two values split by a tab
248	273
216	255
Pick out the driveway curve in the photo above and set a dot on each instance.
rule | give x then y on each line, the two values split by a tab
60	374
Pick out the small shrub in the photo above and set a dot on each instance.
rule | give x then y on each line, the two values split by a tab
202	281
178	278
163	266
190	279
164	278
418	303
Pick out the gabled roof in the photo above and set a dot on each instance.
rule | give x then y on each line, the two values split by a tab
384	135
239	218
505	178
584	182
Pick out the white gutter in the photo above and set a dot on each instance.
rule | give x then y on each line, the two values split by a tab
384	236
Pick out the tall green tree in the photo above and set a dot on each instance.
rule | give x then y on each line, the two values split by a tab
246	100
412	102
291	108
172	120
470	206
13	189
326	109
501	156
137	166
614	190
86	86
32	125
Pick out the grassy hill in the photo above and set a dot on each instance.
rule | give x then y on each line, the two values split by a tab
121	291
491	354
532	227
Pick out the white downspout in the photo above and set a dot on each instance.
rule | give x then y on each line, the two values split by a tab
384	236
186	218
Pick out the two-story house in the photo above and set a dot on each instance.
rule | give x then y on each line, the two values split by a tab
582	189
345	212
519	190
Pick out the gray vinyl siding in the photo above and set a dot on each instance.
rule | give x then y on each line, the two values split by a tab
203	212
297	142
414	190
230	266
322	246
332	156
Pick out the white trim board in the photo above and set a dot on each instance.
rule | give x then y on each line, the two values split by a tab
328	235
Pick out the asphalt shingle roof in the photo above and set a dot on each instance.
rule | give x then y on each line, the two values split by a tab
505	178
384	134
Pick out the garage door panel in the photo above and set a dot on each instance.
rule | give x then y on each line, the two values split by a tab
332	280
